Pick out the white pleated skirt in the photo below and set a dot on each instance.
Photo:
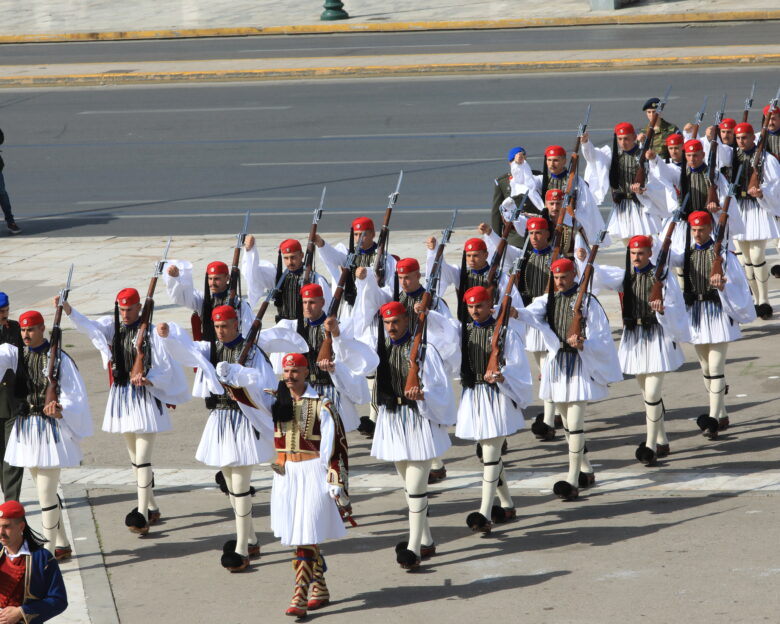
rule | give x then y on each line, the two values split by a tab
759	223
648	349
534	341
302	512
39	442
405	435
229	440
630	219
485	413
133	409
564	382
344	407
710	325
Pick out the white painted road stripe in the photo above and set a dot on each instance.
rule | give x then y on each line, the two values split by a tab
366	47
142	111
100	202
374	162
516	131
211	215
553	101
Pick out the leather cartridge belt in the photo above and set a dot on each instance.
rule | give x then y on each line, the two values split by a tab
566	347
282	456
619	196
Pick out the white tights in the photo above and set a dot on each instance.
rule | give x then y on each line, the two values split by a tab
492	474
46	481
139	447
752	256
415	476
651	385
237	479
712	359
549	406
573	415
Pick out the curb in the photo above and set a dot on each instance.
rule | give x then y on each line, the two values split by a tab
363	27
81	80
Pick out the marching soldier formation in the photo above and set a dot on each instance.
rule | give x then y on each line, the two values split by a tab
693	212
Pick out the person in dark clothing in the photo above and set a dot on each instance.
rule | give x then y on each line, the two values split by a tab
10	476
5	202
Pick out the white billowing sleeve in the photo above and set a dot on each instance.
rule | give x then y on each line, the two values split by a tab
99	332
654	199
522	177
277	356
666	173
674	319
280	339
599	356
259	274
444	334
597	169
517	384
735	298
607	277
356	356
368	300
255	378
353	387
588	214
493	239
327	438
9	356
169	384
450	274
327	293
770	187
186	352
438	406
333	258
181	289
73	398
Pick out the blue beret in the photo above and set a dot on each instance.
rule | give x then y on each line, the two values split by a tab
514	152
3	300
651	103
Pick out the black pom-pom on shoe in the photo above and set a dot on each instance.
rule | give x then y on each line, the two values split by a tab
136	522
234	562
645	455
500	515
407	560
478	523
708	426
229	547
565	490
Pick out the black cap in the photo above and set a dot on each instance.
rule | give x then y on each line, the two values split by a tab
652	103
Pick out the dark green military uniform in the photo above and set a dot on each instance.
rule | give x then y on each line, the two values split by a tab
501	191
10	476
658	144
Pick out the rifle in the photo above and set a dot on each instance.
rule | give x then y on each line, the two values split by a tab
498	255
575	329
717	262
142	361
308	259
55	347
712	160
657	290
235	273
384	234
757	176
699	117
570	196
428	299
493	369
749	103
640	177
326	350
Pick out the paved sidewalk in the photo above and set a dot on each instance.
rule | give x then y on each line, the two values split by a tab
115	19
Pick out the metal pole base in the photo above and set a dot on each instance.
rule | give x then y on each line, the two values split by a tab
333	11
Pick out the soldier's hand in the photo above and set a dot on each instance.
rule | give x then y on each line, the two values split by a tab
657	305
718	281
419	308
163	330
326	365
650	155
513	312
332	325
640	138
173	270
361	272
493	377
318	240
754	191
249	242
484	229
575	341
139	380
585	137
53	409
65	306
637	188
688	128
710	133
414	394
581	253
430	243
713	207
11	615
223	368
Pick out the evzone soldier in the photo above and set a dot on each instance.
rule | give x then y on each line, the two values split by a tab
310	476
716	305
491	404
216	292
341	380
668	170
262	276
759	206
411	426
773	147
653	333
11	399
637	210
46	435
237	436
577	369
137	405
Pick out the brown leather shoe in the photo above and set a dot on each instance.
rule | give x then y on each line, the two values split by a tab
586	479
662	450
61	553
723	423
437	474
154	516
253	550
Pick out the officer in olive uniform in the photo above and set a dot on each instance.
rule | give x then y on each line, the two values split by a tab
501	191
10	332
662	129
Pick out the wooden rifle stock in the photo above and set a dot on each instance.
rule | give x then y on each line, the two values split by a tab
757	174
413	377
55	350
308	260
384	235
496	350
640	177
717	261
575	329
657	289
235	278
251	338
492	281
326	349
143	330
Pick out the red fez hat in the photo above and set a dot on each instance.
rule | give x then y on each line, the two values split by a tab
289	246
31	318
562	265
553	195
217	268
128	297
476	294
295	359
537	223
361	224
309	291
674	139
700	217
394	308
744	128
11	509
223	313
555	150
406	266
624	128
728	123
640	241
774	110
475	244
694	145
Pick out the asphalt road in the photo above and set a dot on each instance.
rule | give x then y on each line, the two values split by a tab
193	158
356	44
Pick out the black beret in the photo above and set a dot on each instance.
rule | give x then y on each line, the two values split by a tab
651	103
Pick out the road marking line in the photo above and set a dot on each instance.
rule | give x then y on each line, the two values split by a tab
554	100
372	162
143	111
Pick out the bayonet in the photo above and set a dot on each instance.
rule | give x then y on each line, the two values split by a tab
662	104
393	197
700	114
584	125
719	114
318	210
749	100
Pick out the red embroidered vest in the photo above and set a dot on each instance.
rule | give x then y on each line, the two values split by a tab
12	581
